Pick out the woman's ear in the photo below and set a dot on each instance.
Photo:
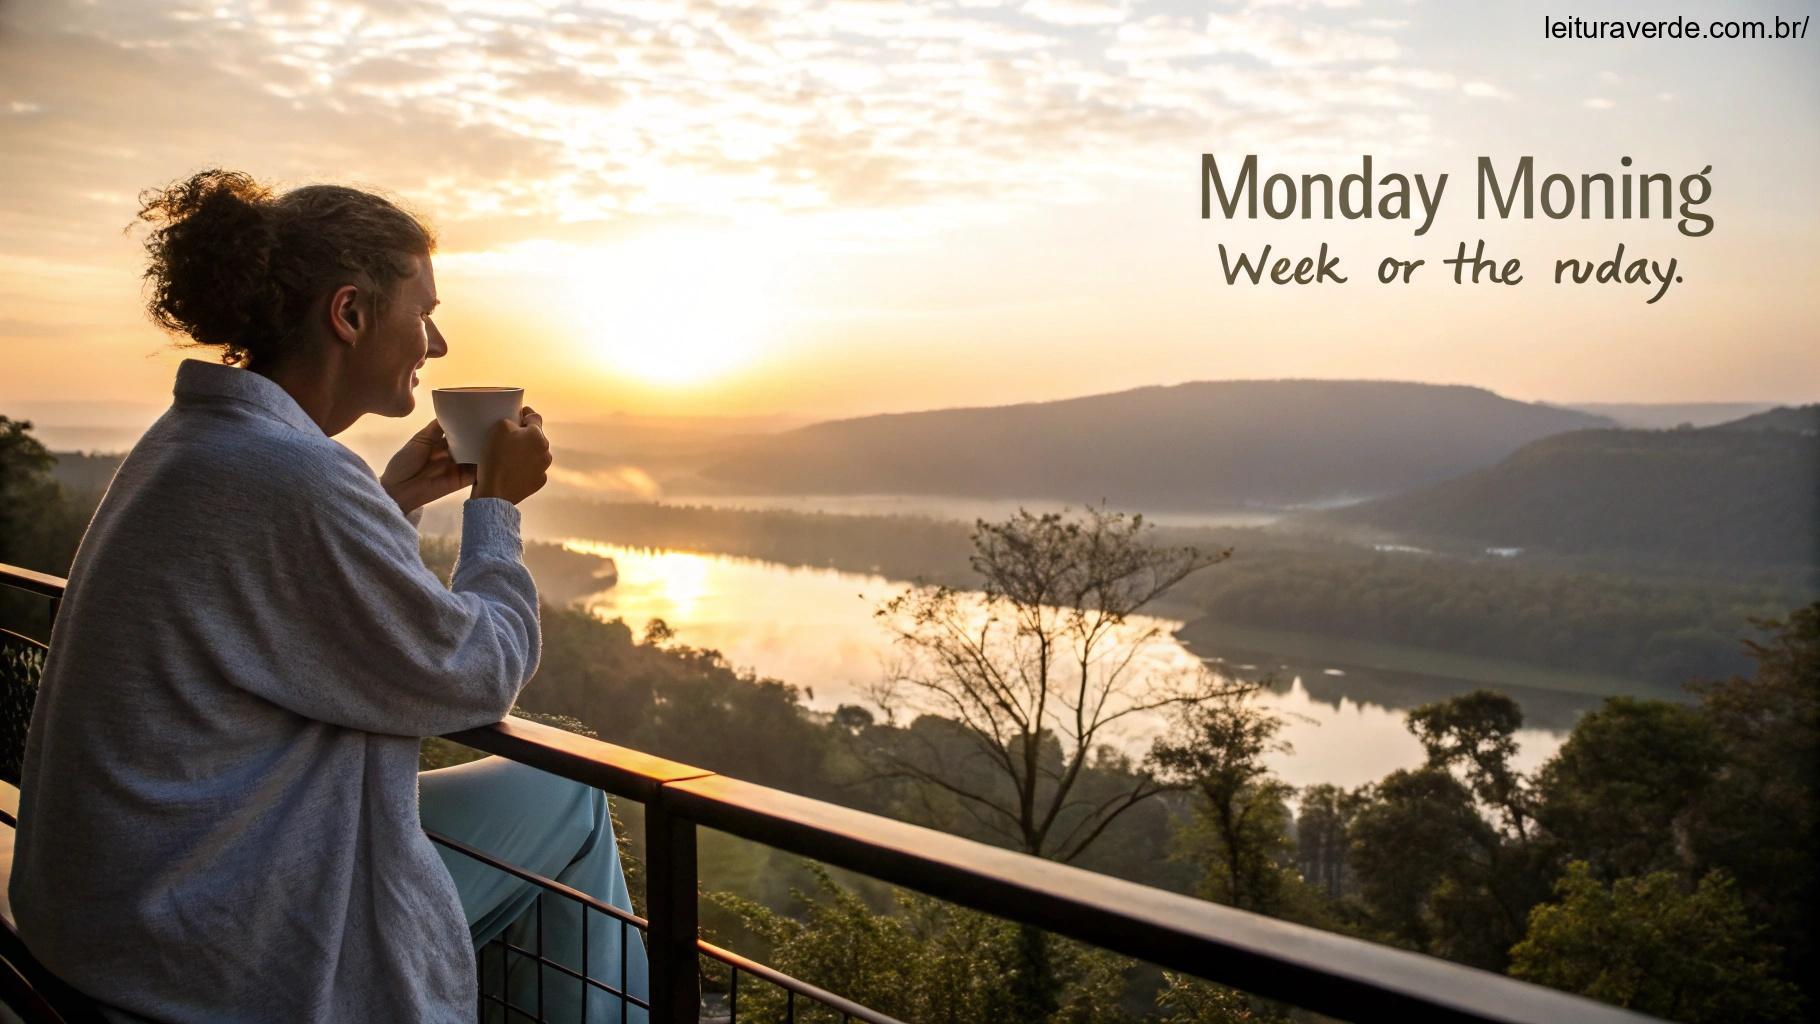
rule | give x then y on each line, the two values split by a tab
345	313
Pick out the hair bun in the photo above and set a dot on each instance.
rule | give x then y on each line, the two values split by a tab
210	265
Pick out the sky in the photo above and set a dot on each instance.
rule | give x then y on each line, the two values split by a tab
836	208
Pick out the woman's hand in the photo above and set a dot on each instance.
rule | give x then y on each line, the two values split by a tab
517	459
424	470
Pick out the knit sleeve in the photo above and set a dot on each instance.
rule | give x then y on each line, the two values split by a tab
365	636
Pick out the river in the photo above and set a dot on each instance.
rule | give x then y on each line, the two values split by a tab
815	628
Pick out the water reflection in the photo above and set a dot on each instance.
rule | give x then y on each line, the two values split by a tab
814	628
1351	742
1552	711
809	627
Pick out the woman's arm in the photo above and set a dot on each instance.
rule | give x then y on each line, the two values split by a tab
359	633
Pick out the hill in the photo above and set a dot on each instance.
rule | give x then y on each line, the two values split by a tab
1737	497
1797	419
1668	415
1188	446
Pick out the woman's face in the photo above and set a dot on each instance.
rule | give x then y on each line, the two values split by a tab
402	339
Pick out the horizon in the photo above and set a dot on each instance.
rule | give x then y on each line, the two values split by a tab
113	427
147	407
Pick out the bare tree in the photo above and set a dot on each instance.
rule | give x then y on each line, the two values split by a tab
1034	670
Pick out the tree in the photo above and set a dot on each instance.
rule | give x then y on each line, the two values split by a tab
40	526
1758	818
26	488
1433	874
1478	906
1034	670
1476	732
1242	838
1042	658
40	523
1618	792
1412	830
1654	945
1320	838
1188	1000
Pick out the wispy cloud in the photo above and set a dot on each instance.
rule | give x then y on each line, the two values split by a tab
1078	12
521	118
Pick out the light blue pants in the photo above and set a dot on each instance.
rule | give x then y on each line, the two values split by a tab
552	827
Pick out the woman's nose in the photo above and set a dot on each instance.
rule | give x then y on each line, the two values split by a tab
439	346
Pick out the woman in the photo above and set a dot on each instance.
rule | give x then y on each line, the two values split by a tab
219	816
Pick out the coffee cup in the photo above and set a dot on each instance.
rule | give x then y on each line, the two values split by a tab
467	415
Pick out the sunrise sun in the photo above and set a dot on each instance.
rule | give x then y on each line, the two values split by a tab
675	309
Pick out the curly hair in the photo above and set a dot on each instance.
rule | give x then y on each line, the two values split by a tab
234	265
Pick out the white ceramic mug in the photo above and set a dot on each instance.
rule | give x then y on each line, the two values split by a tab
468	414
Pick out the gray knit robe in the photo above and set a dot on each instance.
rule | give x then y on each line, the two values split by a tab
219	812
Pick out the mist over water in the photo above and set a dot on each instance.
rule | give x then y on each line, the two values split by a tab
962	509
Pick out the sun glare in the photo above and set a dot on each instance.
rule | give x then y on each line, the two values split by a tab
676	309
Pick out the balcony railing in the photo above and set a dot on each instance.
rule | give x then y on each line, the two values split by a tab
1331	974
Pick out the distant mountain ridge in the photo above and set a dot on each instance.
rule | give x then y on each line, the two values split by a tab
1668	415
1797	419
1185	446
1739	496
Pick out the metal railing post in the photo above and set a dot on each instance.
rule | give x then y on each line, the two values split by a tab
670	904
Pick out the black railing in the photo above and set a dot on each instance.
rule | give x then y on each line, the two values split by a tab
1331	974
536	955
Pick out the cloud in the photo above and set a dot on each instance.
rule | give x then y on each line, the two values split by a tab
1415	78
1597	103
1302	5
1286	41
1077	12
515	119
